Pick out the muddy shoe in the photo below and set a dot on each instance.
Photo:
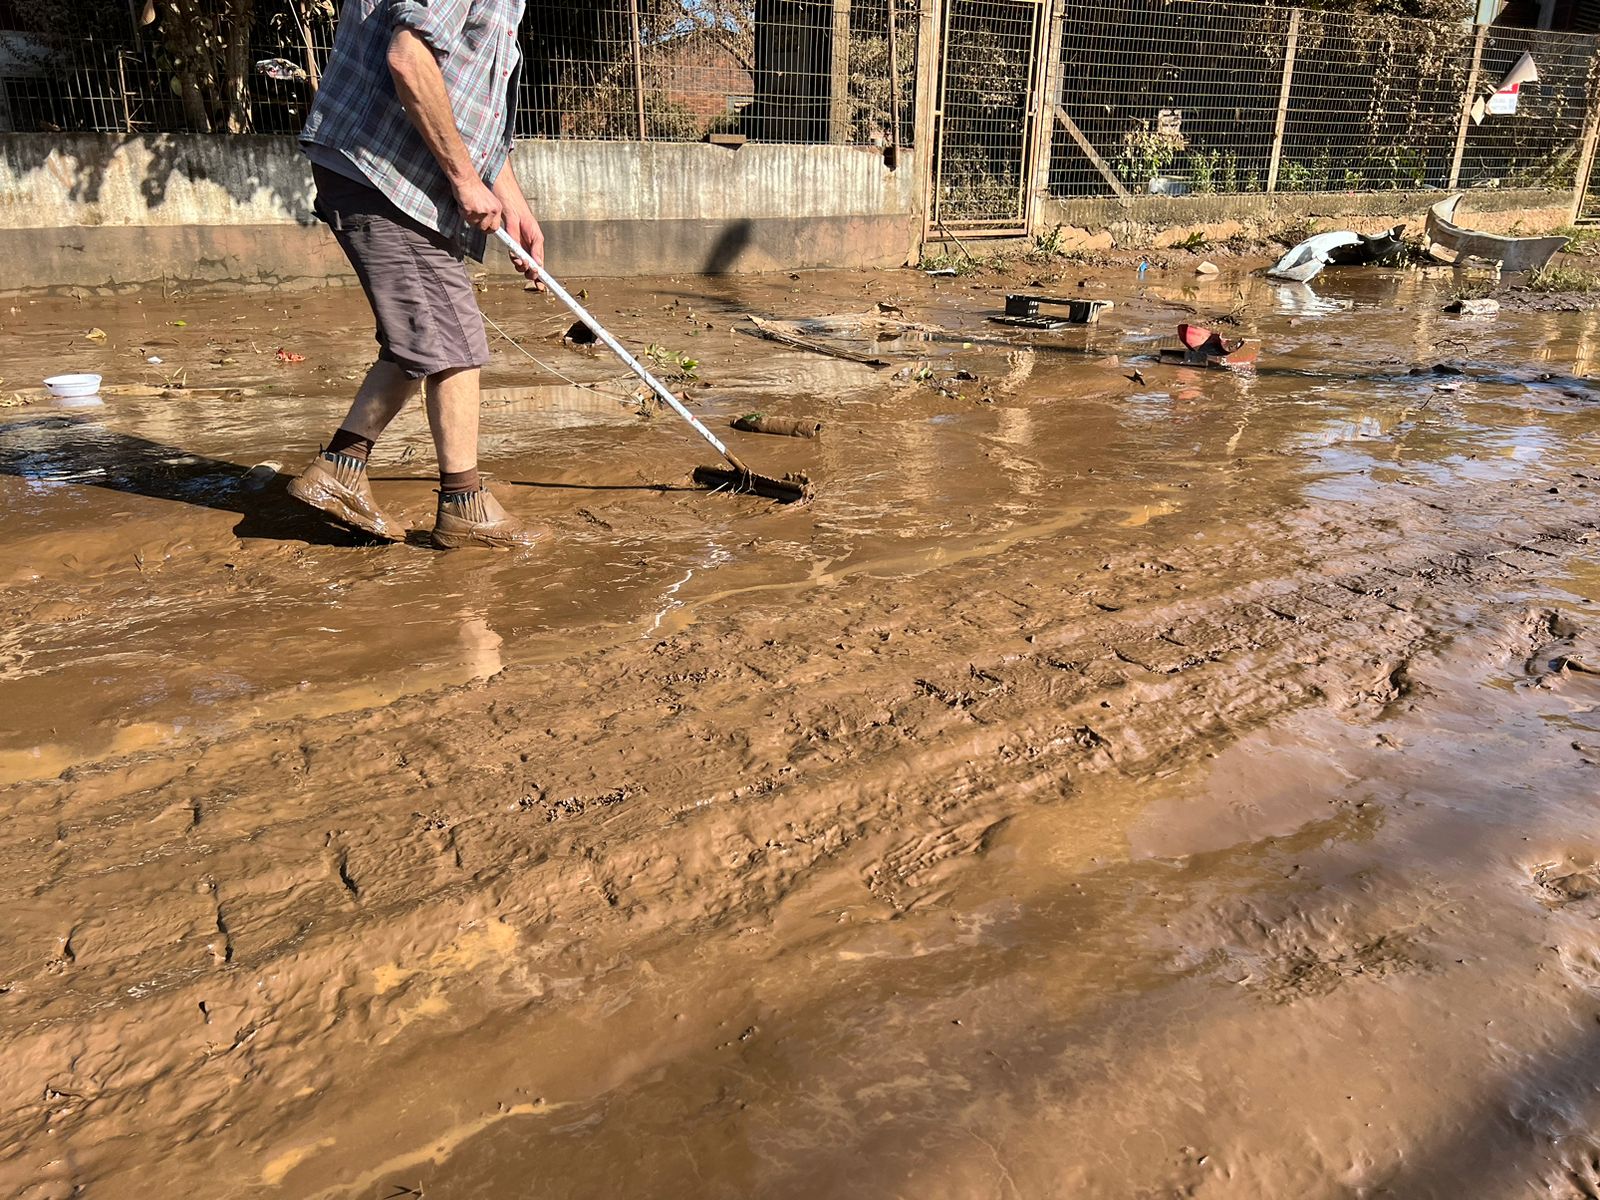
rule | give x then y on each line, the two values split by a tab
338	486
476	519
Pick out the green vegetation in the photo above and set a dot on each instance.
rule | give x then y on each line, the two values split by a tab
1471	289
672	364
1145	154
1215	172
1583	240
959	262
1562	278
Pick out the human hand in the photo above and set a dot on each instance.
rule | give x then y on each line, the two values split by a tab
480	206
525	231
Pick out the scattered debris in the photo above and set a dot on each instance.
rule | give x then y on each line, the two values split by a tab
1023	310
1201	347
1372	250
772	332
1502	102
1305	262
579	334
942	273
281	69
1449	243
803	427
155	360
1480	307
1207	268
96	334
1137	377
283	356
73	387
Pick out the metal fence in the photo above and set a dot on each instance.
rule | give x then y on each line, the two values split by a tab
1192	96
675	70
127	84
989	68
1139	96
679	70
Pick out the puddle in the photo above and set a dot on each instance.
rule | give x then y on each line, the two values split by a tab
1107	786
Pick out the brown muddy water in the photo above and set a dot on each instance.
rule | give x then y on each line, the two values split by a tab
1184	787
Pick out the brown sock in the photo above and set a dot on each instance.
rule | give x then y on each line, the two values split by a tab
459	483
350	445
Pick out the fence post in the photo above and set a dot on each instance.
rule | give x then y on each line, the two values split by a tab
1283	99
122	91
1591	135
638	69
1051	20
926	117
1466	105
839	85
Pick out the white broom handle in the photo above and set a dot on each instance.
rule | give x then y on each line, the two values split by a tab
616	347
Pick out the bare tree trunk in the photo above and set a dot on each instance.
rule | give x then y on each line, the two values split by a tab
185	36
302	21
194	105
236	65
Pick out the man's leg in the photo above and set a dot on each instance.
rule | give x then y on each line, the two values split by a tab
453	399
385	391
336	481
468	514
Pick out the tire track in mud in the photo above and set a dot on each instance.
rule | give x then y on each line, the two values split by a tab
596	807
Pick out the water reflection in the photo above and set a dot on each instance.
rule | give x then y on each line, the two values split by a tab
143	552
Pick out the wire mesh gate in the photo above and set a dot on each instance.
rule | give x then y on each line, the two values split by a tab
990	63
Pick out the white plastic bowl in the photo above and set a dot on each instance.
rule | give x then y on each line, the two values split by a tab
73	387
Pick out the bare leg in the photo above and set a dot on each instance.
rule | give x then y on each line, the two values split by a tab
384	392
453	417
336	481
469	515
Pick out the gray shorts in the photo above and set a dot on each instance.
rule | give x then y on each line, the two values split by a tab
415	279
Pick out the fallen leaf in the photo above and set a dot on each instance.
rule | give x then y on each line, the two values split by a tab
96	335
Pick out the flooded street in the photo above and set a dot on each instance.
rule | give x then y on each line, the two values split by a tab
1122	780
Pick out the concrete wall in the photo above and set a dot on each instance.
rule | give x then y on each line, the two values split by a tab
1157	221
103	211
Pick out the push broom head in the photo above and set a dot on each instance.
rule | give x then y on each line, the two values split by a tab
791	489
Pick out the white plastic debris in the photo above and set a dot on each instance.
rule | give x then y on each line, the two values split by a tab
1305	261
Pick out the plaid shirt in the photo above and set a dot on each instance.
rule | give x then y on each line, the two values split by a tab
358	114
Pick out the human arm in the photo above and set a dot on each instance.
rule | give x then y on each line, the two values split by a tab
420	85
520	221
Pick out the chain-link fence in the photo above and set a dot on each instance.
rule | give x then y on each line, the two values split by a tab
1195	97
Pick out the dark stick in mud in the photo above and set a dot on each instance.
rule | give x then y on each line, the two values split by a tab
789	490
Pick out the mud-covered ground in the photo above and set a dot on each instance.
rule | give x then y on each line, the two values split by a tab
1123	781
